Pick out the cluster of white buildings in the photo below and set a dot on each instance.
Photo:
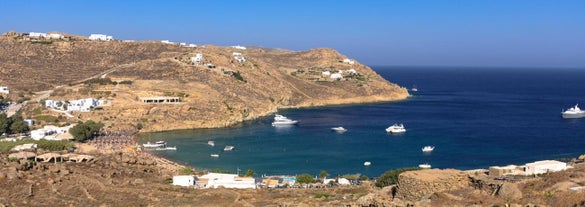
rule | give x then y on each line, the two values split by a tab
4	89
533	168
100	37
339	74
182	44
348	61
239	57
215	180
45	35
197	59
50	132
239	47
82	105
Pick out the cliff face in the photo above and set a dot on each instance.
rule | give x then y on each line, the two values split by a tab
216	92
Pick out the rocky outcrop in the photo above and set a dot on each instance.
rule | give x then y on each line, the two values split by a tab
422	184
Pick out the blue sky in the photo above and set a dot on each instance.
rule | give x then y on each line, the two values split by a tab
500	33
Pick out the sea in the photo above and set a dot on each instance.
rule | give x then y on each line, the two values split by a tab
474	117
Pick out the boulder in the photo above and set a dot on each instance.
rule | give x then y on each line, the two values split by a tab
421	184
510	191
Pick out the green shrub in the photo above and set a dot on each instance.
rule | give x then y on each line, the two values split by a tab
305	178
391	177
185	171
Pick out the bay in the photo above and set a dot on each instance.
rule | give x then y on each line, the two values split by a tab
475	117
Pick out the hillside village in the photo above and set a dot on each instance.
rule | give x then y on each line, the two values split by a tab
57	81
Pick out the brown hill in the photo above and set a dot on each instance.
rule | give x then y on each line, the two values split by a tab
217	92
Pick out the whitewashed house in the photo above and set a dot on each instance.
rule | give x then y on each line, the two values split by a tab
37	34
50	132
184	180
327	181
4	89
215	180
197	58
100	37
544	166
55	36
336	76
183	44
192	45
166	42
239	57
343	181
239	47
326	73
351	71
348	61
29	122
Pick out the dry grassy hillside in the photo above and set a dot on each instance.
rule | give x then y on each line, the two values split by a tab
217	92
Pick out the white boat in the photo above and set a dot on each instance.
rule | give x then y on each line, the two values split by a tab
428	148
396	128
283	120
211	143
414	88
171	148
214	155
425	166
338	129
573	113
157	144
367	163
228	148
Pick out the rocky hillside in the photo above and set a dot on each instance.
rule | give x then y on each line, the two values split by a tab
218	91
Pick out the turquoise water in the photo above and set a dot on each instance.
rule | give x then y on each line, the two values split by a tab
474	117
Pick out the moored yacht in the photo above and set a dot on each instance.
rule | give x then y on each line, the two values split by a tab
283	120
211	143
428	148
338	129
425	166
573	113
154	145
214	155
228	148
396	128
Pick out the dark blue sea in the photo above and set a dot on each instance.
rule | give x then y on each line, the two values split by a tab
475	118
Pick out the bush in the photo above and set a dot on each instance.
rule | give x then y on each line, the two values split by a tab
185	171
305	178
83	131
391	177
52	145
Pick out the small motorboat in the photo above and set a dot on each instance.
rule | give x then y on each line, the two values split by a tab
228	148
171	148
367	163
425	166
157	144
211	143
214	155
396	128
428	148
338	129
573	113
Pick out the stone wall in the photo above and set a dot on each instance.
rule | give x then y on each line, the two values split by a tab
416	185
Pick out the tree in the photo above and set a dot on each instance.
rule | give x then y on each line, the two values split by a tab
249	173
323	174
17	124
305	178
4	123
83	131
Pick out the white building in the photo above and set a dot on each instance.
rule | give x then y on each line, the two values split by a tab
184	180
326	73
100	37
192	45
336	76
544	166
55	36
343	181
183	44
239	57
50	132
351	71
83	105
239	47
37	34
29	122
166	42
348	61
215	180
197	58
4	89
